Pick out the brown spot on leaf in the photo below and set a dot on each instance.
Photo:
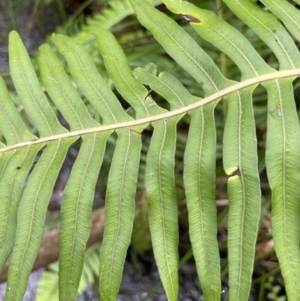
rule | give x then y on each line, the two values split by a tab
191	19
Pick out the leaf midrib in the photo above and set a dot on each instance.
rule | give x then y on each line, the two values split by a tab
233	88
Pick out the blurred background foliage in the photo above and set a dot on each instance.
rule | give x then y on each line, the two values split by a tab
35	20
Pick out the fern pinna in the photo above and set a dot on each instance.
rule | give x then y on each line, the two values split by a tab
23	208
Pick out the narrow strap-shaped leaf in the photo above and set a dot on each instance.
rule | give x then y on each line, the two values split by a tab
278	129
162	203
123	164
119	71
29	90
36	196
282	156
123	205
62	91
187	54
236	151
269	30
283	165
124	171
76	210
116	11
224	36
119	9
11	124
119	212
287	13
234	44
180	46
11	187
120	198
31	217
200	190
162	199
166	84
79	192
212	290
199	175
90	82
240	162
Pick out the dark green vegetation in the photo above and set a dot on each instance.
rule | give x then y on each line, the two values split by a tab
176	90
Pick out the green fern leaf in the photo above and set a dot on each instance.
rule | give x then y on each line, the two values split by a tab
23	209
111	16
33	206
200	201
226	39
14	171
283	135
78	194
117	235
287	13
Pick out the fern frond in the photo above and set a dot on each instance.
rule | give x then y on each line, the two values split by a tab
22	210
282	155
33	206
287	13
239	50
14	171
48	285
111	16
